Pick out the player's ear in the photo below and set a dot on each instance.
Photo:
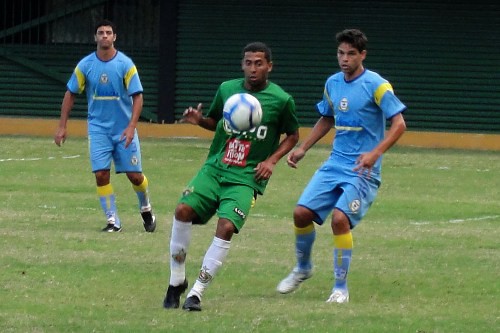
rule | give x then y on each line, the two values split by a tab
363	54
270	67
114	37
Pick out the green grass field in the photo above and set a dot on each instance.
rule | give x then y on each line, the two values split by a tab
426	257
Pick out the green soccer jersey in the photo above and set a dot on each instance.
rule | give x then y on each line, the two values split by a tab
238	153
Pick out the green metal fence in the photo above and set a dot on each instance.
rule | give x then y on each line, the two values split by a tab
441	57
41	42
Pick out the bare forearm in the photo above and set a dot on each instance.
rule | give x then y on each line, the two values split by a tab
398	127
285	147
138	102
208	123
66	107
320	129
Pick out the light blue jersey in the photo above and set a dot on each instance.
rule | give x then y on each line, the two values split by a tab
360	108
109	86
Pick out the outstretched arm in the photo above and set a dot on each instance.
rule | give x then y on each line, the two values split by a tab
195	117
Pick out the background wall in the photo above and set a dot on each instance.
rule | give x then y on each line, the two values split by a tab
441	57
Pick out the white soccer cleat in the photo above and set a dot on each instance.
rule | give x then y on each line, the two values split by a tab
293	280
338	296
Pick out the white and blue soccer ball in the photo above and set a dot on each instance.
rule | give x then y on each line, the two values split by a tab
242	112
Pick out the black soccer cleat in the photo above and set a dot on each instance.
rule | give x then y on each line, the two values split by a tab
192	303
110	227
173	296
149	221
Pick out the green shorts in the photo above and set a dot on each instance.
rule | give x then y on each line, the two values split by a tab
209	193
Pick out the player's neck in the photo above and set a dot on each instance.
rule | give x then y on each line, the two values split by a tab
106	54
256	88
351	76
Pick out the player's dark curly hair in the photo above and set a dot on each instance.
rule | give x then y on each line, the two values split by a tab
105	23
258	47
354	37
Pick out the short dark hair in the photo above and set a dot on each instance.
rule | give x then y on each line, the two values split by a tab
105	23
258	47
354	37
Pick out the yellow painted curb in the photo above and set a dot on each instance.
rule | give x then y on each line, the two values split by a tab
78	128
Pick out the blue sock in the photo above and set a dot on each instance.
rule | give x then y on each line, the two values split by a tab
142	192
342	255
304	239
341	262
108	202
143	199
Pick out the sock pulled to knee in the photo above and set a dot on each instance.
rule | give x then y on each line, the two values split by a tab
342	255
304	239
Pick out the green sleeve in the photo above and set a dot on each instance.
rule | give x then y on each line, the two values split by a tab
289	120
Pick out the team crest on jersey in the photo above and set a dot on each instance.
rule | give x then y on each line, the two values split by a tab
104	78
204	276
355	205
134	160
343	105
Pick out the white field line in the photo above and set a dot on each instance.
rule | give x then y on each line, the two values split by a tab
470	219
30	159
480	218
47	207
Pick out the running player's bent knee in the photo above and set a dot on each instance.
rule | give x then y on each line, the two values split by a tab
302	216
184	213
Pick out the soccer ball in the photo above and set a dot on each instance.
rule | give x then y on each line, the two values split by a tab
242	112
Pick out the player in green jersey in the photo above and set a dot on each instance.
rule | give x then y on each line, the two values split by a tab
227	185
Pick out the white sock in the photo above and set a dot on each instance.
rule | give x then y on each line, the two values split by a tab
179	244
215	256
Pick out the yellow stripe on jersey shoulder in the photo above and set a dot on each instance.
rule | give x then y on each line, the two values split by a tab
131	72
325	92
381	90
80	77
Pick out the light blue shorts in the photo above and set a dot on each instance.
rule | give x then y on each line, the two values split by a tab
104	148
331	187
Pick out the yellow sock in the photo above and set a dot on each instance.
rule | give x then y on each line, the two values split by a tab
108	203
142	187
343	241
105	190
304	231
142	194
